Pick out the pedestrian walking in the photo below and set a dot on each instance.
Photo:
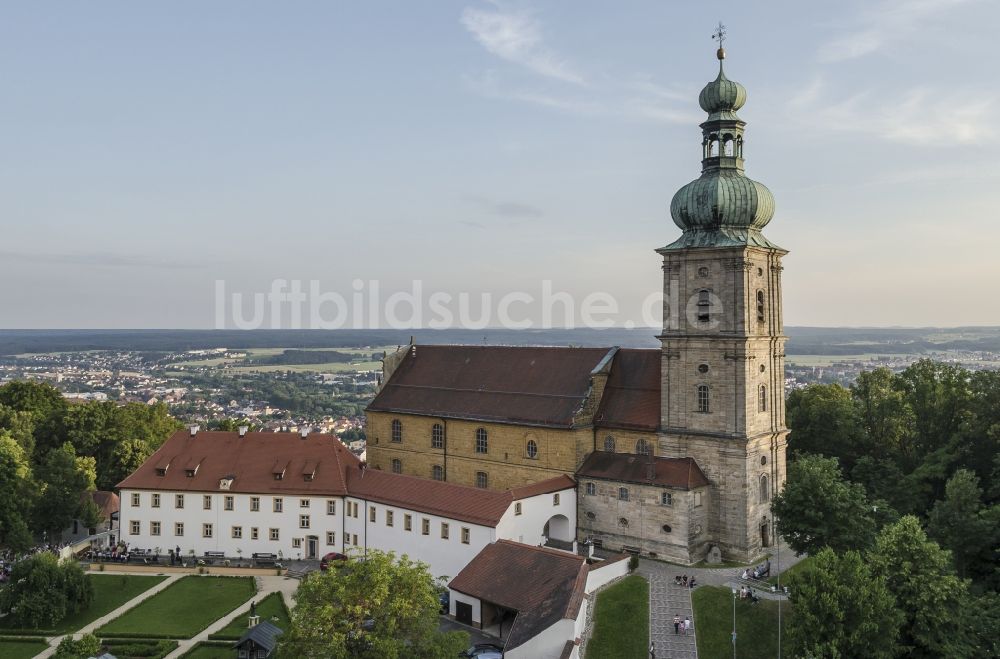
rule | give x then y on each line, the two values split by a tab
677	624
687	626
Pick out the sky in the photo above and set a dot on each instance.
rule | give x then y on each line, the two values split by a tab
157	158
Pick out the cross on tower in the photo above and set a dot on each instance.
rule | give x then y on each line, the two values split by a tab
719	34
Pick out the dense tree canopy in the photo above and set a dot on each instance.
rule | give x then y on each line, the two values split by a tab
378	608
43	590
52	453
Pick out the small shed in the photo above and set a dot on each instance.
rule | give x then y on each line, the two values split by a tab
258	642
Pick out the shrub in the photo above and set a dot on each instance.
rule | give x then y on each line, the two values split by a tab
633	562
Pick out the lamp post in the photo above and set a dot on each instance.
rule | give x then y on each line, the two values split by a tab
734	623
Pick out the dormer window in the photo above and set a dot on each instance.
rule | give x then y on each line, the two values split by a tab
225	483
279	475
190	472
161	471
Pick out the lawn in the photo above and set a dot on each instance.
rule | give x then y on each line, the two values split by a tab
21	649
268	608
210	651
110	592
182	609
621	621
756	624
801	565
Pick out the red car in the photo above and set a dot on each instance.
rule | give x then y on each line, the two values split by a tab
332	556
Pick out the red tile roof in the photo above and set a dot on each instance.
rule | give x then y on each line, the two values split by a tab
107	502
683	473
631	398
541	386
250	461
543	585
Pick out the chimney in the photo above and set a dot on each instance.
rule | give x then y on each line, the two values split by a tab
304	433
243	430
194	430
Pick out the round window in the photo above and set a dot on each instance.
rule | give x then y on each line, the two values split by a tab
532	449
622	522
760	272
762	368
591	516
666	528
763	459
703	368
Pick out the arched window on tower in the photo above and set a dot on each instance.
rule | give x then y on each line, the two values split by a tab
609	444
713	146
760	306
642	447
727	145
762	398
703	400
765	492
739	146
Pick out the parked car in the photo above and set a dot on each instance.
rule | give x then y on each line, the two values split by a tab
324	563
483	651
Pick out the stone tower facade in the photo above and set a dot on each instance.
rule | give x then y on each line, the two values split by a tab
722	388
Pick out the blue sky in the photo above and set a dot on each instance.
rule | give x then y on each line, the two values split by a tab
150	149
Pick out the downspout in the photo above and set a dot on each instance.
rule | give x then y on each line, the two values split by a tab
444	424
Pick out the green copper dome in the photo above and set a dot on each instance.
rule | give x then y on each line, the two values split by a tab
723	207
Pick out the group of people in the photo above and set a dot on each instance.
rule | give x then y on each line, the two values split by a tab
682	626
682	580
119	553
746	592
758	572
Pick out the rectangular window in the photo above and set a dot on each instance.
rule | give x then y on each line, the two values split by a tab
278	504
303	503
703	399
354	539
237	532
154	528
591	489
466	536
517	508
482	480
388	517
444	530
331	538
178	501
179	529
156	500
555	499
303	521
135	499
371	513
254	533
331	507
134	527
623	493
355	510
697	499
255	504
666	499
296	543
206	502
206	530
274	534
425	526
227	502
408	522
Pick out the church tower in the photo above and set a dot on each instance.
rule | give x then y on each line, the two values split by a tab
723	357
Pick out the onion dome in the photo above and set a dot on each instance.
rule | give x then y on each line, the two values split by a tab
723	207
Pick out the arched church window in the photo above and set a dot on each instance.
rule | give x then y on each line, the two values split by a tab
437	472
762	398
532	449
765	493
728	145
760	306
397	430
609	444
703	399
713	146
437	436
397	466
482	441
642	447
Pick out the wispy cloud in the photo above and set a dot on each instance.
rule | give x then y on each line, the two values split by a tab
919	116
881	23
516	36
506	209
